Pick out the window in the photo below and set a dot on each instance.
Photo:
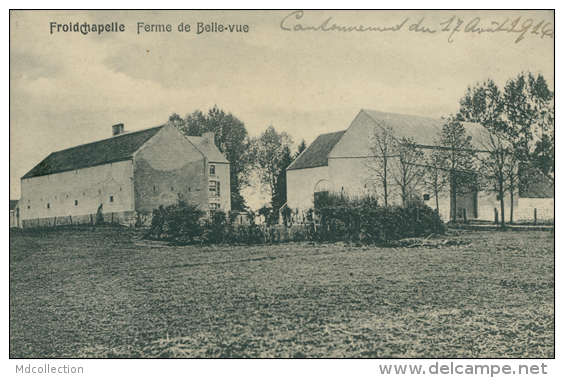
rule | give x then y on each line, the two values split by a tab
214	206
214	189
426	197
28	207
48	205
212	169
111	198
75	202
497	197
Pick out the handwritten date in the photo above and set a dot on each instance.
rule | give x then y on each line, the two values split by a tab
456	25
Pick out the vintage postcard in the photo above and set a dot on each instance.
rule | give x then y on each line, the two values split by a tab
283	184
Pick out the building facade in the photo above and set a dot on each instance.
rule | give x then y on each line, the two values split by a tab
124	178
343	162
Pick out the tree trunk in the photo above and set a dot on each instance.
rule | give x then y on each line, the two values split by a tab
511	210
502	204
385	193
453	203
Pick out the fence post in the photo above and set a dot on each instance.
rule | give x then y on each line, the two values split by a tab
496	218
91	222
55	222
464	215
535	215
70	217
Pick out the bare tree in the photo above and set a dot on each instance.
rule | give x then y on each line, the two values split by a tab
498	170
406	167
435	176
382	148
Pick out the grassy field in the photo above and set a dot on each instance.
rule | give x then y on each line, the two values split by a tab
106	292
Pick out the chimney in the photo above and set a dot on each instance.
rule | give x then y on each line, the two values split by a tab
209	136
117	129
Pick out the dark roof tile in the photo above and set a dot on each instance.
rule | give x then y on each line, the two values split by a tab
316	154
106	151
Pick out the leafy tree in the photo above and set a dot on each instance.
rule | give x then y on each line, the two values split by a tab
231	138
273	155
458	155
406	167
521	121
483	104
279	197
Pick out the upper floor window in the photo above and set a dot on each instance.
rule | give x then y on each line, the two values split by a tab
212	169
214	189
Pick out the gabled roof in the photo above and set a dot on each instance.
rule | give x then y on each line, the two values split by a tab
13	204
316	154
208	149
106	151
424	130
533	183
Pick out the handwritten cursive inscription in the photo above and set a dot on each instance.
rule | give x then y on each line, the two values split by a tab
286	24
542	28
453	25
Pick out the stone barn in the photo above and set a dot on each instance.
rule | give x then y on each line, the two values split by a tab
338	162
124	178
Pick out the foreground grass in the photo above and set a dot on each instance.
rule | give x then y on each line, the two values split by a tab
108	293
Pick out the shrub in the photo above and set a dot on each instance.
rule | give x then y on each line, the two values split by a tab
336	218
362	220
180	223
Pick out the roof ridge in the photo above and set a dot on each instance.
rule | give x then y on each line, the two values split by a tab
104	151
105	139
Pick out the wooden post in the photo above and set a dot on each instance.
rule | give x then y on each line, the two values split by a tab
70	216
112	217
535	215
464	215
496	218
91	221
55	222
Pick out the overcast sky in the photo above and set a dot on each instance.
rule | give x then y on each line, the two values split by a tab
68	88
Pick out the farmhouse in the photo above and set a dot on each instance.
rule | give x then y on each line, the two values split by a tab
125	177
340	162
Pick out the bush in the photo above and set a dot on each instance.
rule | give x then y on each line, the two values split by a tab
362	220
179	223
337	218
